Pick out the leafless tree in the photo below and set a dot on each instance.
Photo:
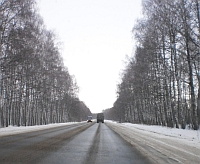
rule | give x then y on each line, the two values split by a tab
35	86
161	82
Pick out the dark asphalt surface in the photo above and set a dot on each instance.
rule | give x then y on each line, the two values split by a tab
82	143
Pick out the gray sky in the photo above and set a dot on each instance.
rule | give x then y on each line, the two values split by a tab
96	36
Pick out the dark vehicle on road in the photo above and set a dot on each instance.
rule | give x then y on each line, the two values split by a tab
100	117
89	119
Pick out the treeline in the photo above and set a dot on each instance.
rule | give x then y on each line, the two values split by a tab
161	83
35	86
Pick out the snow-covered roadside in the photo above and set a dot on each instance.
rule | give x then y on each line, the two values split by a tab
165	131
171	132
22	129
161	144
187	134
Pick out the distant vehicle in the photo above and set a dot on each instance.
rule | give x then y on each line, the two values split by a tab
100	117
89	119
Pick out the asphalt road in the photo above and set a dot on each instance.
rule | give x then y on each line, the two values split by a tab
82	143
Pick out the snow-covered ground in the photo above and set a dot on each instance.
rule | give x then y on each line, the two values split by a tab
187	134
23	129
161	144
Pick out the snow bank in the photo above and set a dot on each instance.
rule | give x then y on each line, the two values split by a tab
172	132
166	131
22	129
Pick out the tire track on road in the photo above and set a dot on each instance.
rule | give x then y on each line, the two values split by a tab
93	150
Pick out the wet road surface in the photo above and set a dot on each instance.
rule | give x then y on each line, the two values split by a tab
82	143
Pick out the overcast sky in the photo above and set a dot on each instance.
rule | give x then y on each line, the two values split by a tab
96	36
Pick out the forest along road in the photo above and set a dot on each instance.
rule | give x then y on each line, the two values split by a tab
82	143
